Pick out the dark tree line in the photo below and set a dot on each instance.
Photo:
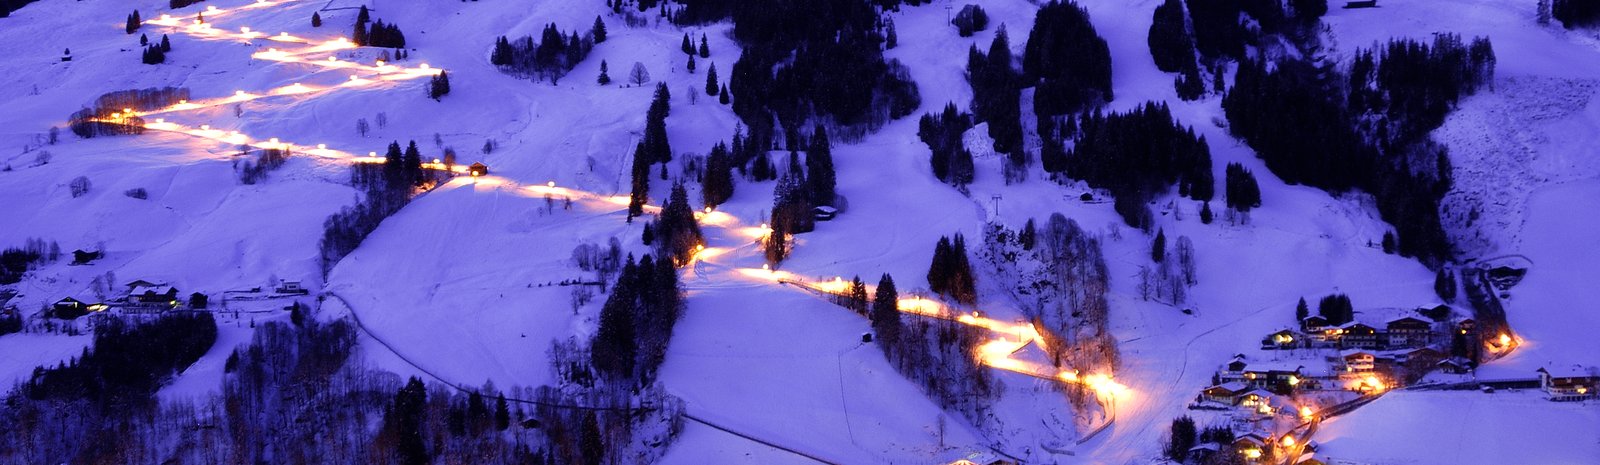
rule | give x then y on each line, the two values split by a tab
653	148
636	322
1171	43
997	95
1172	47
1137	155
951	161
376	34
15	261
106	117
950	272
1367	129
9	6
10	322
176	4
807	60
1337	309
293	394
1066	60
1571	13
128	363
550	58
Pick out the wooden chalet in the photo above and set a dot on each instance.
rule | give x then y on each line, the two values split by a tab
1571	383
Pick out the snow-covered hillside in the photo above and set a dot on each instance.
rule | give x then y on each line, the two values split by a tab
473	281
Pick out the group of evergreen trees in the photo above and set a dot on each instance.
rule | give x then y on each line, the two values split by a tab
997	95
798	65
792	205
716	186
1365	129
1172	47
15	261
551	58
1137	155
970	20
1241	189
1571	13
156	53
950	273
951	161
439	86
376	34
176	4
653	148
677	235
636	322
1337	309
1066	61
134	22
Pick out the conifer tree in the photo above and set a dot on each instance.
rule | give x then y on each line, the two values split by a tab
166	44
690	65
718	184
777	243
722	97
711	80
598	30
1205	213
604	78
439	86
133	22
316	19
1158	247
1301	310
705	49
413	164
819	168
885	313
359	34
657	147
144	40
1444	284
687	47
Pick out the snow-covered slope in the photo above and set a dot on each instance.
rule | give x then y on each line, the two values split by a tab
462	284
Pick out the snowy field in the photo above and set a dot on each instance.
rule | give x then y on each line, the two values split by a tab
462	282
1463	427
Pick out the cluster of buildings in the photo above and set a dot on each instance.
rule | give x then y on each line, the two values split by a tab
142	297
